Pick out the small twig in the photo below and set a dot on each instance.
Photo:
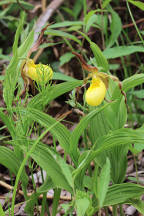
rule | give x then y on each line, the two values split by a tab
132	24
9	187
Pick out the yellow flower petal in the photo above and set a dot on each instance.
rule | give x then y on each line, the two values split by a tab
96	92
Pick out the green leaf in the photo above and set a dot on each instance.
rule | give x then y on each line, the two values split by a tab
115	26
61	76
77	132
12	70
77	8
9	159
59	131
54	165
120	193
92	19
100	58
23	3
62	34
132	81
138	204
42	99
138	93
119	51
124	136
8	122
102	183
82	206
82	202
66	58
26	45
105	3
65	24
138	4
1	211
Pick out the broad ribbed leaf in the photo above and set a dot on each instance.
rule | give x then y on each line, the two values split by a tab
8	122
77	132
119	137
42	99
132	81
100	58
54	165
102	183
138	204
120	193
59	131
9	159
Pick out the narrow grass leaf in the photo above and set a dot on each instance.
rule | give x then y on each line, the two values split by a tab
65	24
63	34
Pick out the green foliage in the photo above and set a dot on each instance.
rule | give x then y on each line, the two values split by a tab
138	4
119	51
99	138
101	183
115	27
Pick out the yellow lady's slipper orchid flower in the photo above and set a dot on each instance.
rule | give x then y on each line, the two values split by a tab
99	84
38	72
96	92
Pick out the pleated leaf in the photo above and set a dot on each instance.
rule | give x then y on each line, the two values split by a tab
59	131
77	132
116	138
53	92
120	193
53	164
138	204
9	159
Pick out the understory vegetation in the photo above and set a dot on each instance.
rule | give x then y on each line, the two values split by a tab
71	107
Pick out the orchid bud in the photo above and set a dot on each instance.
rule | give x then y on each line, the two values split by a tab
38	72
96	92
